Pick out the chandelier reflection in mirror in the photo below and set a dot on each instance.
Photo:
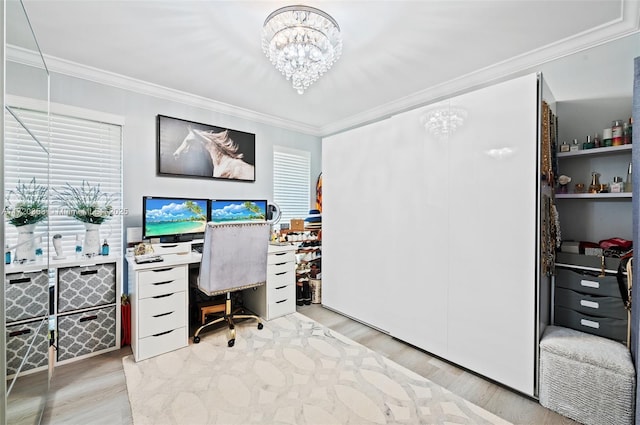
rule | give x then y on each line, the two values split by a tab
302	42
442	122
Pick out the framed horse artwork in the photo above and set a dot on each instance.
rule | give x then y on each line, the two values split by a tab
192	149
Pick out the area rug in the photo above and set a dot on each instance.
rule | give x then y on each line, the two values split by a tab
293	371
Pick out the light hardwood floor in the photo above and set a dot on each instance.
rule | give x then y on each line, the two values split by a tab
93	391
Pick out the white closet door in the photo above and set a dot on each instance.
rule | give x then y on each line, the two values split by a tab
420	226
492	267
357	269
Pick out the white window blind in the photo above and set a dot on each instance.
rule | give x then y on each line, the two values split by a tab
291	182
79	150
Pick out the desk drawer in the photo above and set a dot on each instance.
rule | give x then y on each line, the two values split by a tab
281	307
161	343
160	314
591	304
156	282
283	277
586	283
26	295
281	257
86	286
281	292
276	269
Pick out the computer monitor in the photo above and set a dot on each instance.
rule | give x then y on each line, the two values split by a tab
226	210
174	219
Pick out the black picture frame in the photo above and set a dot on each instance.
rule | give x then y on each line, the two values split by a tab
195	150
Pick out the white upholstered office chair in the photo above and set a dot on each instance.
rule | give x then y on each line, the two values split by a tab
234	257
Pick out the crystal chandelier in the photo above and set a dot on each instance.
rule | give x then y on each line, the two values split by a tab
443	121
302	42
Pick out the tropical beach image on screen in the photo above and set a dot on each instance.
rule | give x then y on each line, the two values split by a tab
225	211
175	216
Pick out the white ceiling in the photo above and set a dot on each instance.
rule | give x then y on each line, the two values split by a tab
396	55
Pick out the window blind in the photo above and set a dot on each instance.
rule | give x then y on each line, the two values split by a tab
79	150
291	182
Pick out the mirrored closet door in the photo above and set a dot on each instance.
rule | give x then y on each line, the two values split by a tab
25	170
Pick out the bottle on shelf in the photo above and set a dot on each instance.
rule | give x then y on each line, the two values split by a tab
588	144
594	187
575	146
628	185
105	248
78	245
39	247
606	137
7	255
564	147
616	133
627	132
617	186
597	143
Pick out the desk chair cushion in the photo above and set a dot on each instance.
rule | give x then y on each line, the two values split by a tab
234	257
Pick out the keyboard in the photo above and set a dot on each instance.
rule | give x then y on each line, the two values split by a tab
148	258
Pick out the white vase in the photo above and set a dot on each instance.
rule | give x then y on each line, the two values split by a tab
26	249
91	239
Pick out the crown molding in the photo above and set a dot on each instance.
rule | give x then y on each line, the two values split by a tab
627	24
74	69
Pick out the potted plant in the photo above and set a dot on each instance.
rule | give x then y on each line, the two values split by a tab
89	205
26	206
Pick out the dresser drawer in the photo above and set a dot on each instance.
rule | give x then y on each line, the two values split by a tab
161	343
281	307
590	304
86	332
86	286
281	257
156	282
586	283
615	329
160	314
26	295
283	277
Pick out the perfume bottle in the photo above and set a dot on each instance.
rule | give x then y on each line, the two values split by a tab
575	146
7	255
105	248
564	147
628	185
594	187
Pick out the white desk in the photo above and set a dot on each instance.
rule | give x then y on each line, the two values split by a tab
159	296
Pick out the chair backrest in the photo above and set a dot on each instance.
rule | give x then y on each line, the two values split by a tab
234	257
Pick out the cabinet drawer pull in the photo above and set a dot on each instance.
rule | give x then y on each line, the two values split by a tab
22	280
163	333
281	253
88	272
280	287
590	304
169	246
162	270
590	284
281	273
280	264
163	314
281	301
88	318
21	332
162	296
590	323
163	283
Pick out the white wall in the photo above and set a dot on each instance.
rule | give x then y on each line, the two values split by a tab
139	142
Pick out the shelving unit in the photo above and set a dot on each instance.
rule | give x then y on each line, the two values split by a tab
308	260
586	293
